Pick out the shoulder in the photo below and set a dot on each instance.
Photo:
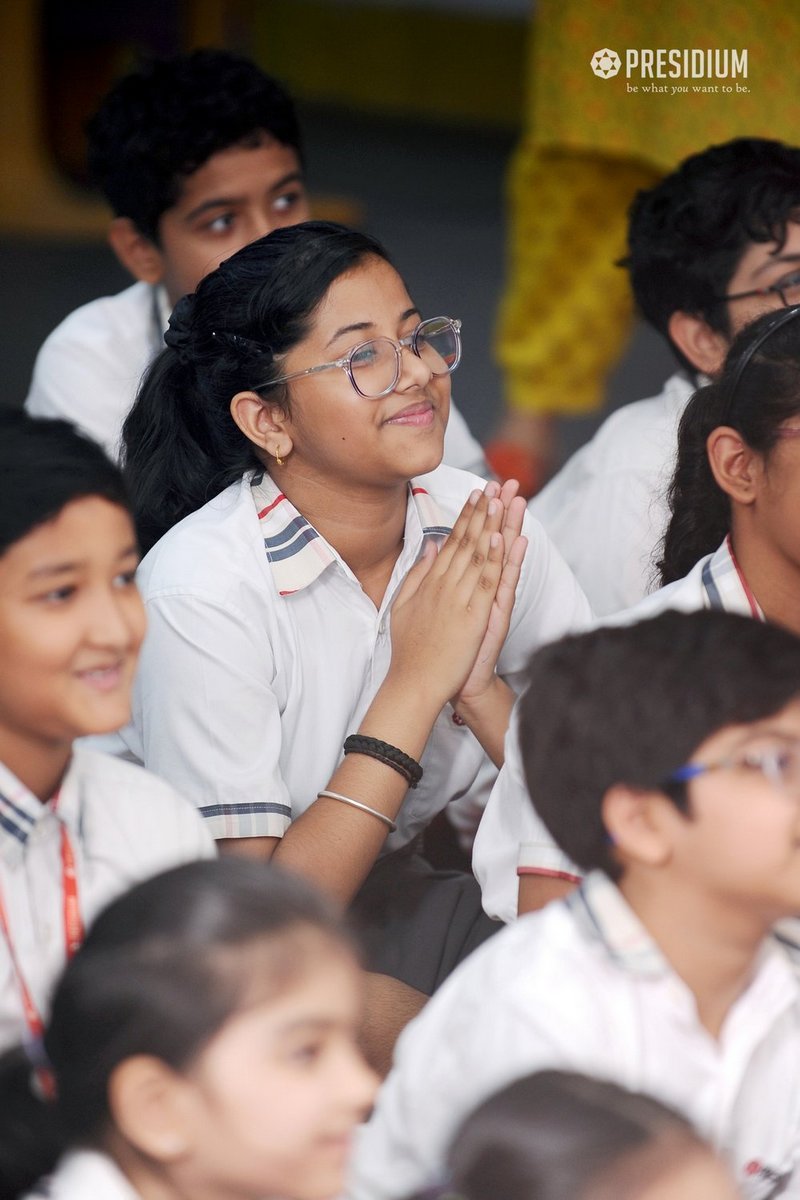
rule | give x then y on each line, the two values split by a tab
84	1173
104	321
643	426
125	807
682	595
212	553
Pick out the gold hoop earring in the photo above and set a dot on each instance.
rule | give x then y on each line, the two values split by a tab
279	460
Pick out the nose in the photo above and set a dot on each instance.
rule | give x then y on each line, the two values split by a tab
362	1082
413	371
116	618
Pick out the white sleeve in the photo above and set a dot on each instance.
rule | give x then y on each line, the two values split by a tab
71	381
207	716
512	839
461	449
607	527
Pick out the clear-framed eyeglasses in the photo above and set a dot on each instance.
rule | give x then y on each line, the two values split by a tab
777	761
374	367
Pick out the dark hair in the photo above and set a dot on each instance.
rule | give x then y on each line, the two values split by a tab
631	705
160	123
556	1135
687	234
160	972
181	444
45	465
758	390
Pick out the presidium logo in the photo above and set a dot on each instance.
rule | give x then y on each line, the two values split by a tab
692	63
606	63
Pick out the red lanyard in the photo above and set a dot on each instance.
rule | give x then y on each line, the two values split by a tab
73	930
755	611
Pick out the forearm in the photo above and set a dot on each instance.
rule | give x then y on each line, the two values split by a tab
334	844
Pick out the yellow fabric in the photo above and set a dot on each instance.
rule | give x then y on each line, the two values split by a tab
566	314
590	144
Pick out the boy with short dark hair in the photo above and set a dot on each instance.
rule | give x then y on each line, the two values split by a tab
710	247
197	156
665	758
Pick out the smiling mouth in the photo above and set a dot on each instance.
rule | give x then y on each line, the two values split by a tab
103	679
421	414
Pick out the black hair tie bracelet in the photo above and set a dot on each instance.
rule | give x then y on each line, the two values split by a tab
404	764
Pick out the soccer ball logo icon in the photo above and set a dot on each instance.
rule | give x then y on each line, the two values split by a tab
606	63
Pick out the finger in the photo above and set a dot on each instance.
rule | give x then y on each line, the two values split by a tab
469	541
450	545
471	555
508	491
514	517
418	572
485	577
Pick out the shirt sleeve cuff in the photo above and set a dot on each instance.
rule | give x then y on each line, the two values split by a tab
255	819
536	858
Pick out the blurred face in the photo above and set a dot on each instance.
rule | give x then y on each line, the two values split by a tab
773	520
71	624
739	849
274	1099
338	435
761	266
240	194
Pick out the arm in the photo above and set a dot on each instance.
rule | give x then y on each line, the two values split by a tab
439	622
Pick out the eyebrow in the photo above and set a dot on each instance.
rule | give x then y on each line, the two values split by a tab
229	201
51	570
363	326
779	258
309	1025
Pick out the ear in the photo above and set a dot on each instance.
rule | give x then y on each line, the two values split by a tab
149	1106
735	466
265	425
704	347
632	817
136	252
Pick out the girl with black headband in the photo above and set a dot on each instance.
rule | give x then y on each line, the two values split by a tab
735	493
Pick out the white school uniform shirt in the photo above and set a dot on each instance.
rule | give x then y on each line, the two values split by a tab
84	1175
89	369
263	653
606	509
581	986
512	839
123	825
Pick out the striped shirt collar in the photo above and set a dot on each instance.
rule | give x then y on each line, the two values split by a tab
725	586
21	812
603	914
296	552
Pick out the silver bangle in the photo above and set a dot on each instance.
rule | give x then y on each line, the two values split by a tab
373	812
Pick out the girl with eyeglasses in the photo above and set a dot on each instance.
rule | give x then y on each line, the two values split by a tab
284	460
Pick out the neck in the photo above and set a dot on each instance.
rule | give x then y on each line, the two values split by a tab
364	525
772	577
38	764
709	943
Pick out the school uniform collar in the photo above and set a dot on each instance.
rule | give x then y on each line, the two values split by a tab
21	812
297	554
725	587
603	914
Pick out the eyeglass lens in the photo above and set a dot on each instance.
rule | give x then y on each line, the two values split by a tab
375	365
